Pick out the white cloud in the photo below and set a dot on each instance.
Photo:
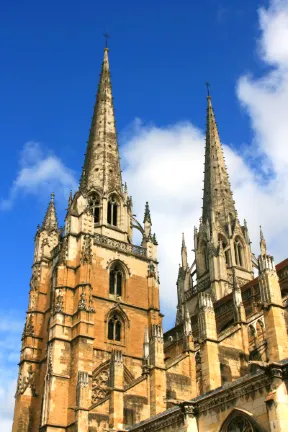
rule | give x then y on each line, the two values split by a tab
10	342
163	165
39	171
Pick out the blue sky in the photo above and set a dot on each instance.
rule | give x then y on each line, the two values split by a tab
161	55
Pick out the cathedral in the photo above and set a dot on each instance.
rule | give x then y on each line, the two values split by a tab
94	357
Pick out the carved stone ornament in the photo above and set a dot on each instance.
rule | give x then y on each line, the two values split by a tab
86	256
29	328
49	362
63	252
58	303
100	385
151	270
233	392
35	278
83	305
32	301
25	382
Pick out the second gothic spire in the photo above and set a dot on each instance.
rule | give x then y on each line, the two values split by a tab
102	162
217	196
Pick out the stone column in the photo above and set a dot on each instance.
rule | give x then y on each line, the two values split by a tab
210	364
116	383
271	299
157	371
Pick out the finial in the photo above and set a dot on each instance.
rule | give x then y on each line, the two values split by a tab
208	89
106	35
52	197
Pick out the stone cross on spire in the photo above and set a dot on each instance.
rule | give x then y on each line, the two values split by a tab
102	162
217	195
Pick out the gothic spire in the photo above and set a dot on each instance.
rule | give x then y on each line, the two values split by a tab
102	162
50	220
217	196
263	247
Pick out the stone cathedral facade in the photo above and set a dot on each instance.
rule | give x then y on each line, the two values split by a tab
94	357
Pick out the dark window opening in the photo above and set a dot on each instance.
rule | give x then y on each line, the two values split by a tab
115	281
119	284
112	212
109	213
94	203
114	329
238	253
97	215
110	330
227	258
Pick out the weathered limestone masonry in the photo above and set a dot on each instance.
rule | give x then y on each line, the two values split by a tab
238	324
94	298
94	357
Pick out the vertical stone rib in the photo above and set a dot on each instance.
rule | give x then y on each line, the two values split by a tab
217	194
102	162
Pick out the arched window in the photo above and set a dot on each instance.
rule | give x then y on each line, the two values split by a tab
226	251
251	335
112	211
240	424
116	281
114	328
238	253
94	204
260	331
239	421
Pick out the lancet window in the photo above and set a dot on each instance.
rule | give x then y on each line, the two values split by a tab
94	204
238	253
112	211
116	281
226	251
114	328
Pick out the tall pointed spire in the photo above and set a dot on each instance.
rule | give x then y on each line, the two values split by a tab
102	162
50	220
217	195
263	247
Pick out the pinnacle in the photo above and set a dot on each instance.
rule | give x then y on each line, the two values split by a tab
147	216
50	220
70	199
183	241
263	247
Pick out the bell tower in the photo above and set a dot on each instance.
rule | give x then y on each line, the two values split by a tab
94	295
